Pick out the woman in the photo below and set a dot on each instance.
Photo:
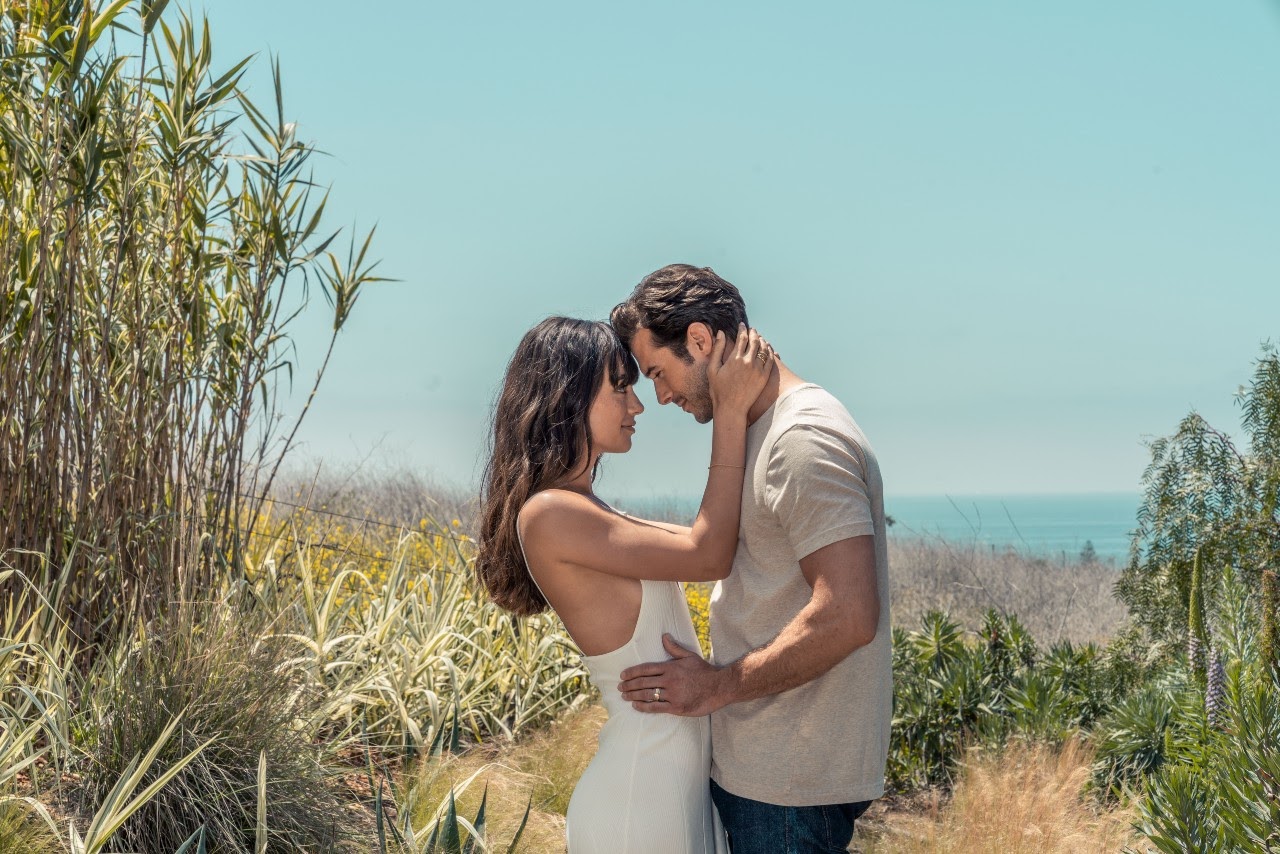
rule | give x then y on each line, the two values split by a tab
567	399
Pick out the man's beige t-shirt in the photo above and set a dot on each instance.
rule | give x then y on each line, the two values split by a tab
811	481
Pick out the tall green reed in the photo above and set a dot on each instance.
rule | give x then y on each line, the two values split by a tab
161	233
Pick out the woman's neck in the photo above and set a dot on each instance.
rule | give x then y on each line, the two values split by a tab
581	482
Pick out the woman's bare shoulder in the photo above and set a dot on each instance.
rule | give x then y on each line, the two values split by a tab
556	512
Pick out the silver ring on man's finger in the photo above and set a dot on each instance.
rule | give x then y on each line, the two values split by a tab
657	695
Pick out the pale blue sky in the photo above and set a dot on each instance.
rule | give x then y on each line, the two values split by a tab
1013	239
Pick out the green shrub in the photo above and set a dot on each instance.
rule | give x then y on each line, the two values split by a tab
950	693
1040	709
1080	674
1222	794
939	643
1176	818
937	694
1139	736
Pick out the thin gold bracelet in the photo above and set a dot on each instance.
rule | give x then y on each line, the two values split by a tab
727	466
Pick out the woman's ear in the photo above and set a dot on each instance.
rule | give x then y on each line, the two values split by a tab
699	339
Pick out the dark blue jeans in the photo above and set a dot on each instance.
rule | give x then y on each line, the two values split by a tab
759	828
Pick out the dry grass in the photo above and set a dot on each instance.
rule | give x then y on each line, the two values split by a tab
1024	800
542	770
1054	600
390	491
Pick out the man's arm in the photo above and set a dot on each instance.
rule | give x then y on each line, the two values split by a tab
841	616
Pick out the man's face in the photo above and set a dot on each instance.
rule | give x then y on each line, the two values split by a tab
674	379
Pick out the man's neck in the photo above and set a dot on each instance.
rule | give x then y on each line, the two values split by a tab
781	380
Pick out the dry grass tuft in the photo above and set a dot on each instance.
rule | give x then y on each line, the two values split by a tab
1025	799
21	830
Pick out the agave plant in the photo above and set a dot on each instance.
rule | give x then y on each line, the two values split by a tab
1139	737
938	643
447	832
424	649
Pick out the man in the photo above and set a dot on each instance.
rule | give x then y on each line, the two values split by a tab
800	685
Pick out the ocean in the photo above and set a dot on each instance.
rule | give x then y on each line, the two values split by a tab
1052	526
1042	525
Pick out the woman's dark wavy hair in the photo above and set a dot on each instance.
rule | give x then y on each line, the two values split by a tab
540	438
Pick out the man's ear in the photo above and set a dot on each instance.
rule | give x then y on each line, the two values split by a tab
699	338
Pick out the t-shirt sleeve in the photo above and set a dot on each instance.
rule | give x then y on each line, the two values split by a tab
817	488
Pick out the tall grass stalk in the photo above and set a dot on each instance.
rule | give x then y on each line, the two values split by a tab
160	233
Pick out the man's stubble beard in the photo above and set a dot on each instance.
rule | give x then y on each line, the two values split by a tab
699	395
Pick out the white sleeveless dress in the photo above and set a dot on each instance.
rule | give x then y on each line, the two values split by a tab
648	789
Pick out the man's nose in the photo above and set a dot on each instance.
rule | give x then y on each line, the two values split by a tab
664	394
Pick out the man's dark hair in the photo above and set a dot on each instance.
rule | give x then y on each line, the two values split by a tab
666	301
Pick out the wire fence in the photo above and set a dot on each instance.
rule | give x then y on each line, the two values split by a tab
346	549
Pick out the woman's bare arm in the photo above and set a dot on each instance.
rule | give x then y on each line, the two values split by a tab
562	526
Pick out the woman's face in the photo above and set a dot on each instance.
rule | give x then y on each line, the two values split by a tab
612	418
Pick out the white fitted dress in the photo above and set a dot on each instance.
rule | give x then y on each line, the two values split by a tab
648	788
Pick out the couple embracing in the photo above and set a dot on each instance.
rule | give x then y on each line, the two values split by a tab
778	743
